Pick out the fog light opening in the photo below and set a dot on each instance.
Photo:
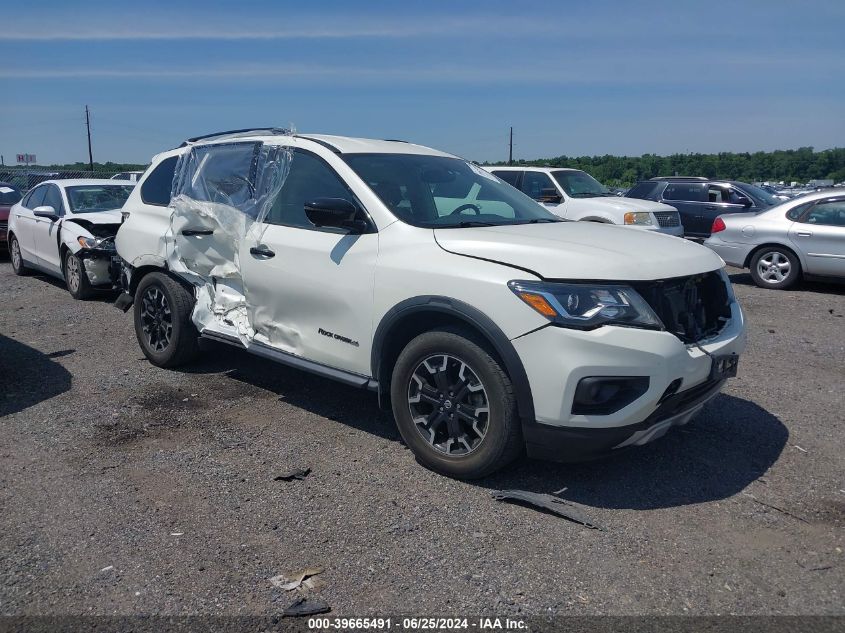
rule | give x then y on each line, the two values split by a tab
603	395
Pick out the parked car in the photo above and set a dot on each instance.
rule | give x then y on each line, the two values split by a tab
132	176
9	196
802	238
66	228
485	322
700	201
575	195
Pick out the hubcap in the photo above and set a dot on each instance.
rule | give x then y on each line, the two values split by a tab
449	405
72	268
16	254
773	267
156	320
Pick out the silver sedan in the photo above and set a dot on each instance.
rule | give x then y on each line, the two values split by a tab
803	237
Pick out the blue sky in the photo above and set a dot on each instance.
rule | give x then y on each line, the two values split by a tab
571	77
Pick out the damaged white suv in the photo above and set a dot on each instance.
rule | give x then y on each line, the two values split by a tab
489	325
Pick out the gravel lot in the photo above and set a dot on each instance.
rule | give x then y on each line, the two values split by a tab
127	489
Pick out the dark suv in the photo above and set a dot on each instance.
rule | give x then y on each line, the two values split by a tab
701	200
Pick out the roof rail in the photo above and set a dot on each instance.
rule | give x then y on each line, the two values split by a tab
667	178
265	130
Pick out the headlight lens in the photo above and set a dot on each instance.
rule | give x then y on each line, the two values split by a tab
587	306
641	218
106	243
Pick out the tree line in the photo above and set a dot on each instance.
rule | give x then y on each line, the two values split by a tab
800	165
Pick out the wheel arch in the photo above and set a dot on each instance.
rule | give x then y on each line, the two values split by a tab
414	316
753	252
596	218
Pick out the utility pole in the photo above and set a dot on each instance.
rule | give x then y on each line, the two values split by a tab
90	155
510	149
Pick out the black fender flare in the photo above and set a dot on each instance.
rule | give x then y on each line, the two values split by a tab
473	317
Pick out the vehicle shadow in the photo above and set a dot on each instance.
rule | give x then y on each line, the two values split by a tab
834	286
106	296
28	376
730	444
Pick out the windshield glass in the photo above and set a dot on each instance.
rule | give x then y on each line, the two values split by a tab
580	184
443	192
9	195
93	198
762	197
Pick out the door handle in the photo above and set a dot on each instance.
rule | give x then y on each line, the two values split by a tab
195	232
710	207
804	234
261	251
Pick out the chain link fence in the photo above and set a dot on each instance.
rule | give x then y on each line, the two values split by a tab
25	178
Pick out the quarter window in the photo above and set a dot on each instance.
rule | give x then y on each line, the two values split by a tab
156	188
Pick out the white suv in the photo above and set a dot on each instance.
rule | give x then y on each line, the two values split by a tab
487	323
575	195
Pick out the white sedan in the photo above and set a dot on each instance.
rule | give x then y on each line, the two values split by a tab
801	238
66	228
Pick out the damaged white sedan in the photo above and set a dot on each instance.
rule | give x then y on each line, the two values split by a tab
66	228
487	324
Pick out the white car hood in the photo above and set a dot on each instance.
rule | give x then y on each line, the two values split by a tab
100	217
620	204
581	250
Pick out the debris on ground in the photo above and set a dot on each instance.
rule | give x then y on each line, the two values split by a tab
304	579
555	505
306	606
776	508
294	473
803	450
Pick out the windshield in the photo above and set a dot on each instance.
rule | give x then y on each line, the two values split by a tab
9	195
580	184
762	197
93	198
443	192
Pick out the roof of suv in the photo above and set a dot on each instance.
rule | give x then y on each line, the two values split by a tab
528	167
679	178
337	144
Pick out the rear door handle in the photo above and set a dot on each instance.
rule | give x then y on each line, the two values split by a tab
261	251
195	232
804	234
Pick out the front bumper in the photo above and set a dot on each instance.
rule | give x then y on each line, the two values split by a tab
556	359
102	267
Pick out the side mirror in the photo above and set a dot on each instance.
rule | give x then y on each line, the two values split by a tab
550	195
743	201
45	212
337	213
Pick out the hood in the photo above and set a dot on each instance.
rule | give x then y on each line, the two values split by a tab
621	204
582	251
100	217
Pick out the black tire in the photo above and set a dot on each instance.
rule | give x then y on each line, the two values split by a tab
163	324
76	279
17	258
775	267
501	442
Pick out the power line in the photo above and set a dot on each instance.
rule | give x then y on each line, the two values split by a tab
90	154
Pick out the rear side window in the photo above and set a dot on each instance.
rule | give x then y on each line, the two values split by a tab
510	177
156	188
688	192
829	213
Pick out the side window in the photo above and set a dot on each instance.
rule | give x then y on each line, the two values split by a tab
309	177
510	177
718	194
35	197
686	192
53	198
533	183
829	213
156	188
796	212
735	196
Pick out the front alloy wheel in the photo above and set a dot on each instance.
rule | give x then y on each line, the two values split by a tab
449	405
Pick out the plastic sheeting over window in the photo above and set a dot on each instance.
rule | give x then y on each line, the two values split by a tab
221	195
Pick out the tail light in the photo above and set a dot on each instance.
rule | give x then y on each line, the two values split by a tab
718	225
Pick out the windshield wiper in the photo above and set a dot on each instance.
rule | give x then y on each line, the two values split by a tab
587	194
468	223
538	220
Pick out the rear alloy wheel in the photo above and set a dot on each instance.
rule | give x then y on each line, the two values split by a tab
454	404
17	259
163	324
76	278
774	267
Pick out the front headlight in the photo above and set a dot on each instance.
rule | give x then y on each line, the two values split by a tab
105	243
587	306
639	218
